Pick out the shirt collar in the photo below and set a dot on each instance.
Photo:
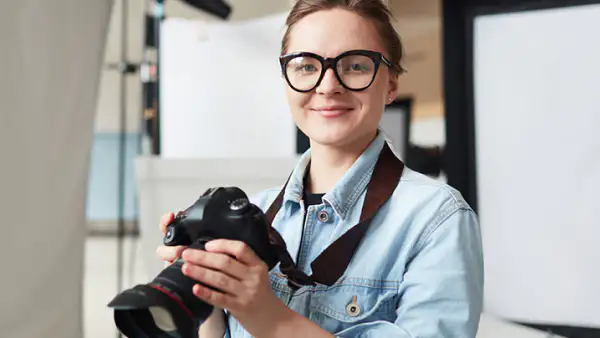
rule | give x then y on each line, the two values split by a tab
348	189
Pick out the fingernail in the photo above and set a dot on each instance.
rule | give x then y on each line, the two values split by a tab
209	245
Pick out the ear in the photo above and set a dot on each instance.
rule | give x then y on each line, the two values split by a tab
392	90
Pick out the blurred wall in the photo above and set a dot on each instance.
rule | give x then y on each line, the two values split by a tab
419	25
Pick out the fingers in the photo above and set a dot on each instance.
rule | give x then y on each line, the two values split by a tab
216	298
165	220
212	278
216	261
169	253
237	249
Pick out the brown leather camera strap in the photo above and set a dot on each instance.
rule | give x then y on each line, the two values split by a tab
330	265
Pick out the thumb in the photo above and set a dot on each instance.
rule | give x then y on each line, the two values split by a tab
165	220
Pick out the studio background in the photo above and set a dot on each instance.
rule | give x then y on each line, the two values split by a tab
489	83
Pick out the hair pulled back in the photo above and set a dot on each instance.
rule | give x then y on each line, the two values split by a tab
374	10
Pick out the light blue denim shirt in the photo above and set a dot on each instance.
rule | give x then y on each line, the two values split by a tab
418	271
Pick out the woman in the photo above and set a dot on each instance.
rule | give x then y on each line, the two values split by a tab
416	271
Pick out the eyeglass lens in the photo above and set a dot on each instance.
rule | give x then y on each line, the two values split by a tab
355	71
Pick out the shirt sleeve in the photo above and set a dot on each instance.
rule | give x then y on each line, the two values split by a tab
441	295
228	324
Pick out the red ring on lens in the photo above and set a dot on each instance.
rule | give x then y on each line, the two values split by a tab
173	297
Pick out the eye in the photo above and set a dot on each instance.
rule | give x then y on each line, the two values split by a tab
304	65
305	68
356	64
357	67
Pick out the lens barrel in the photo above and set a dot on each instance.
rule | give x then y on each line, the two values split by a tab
170	295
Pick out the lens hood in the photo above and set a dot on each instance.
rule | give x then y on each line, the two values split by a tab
144	307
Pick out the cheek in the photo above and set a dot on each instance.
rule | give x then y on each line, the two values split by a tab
380	87
375	97
373	100
297	101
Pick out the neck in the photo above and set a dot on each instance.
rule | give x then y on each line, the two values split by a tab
329	163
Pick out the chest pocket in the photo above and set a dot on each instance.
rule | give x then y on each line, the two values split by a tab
353	301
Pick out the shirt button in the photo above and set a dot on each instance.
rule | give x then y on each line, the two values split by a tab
353	309
323	216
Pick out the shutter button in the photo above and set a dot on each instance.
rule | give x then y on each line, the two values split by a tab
353	309
323	216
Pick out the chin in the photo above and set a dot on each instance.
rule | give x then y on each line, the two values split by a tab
334	137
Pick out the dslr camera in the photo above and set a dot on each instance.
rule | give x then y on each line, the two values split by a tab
166	307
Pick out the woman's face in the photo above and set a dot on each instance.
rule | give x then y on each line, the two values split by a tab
330	114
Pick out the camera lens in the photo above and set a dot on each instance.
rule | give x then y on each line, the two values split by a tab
162	319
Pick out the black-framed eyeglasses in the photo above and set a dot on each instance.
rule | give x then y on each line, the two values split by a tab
354	69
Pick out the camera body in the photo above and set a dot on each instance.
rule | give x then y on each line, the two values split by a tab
166	307
224	213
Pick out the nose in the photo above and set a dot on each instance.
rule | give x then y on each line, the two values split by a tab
329	84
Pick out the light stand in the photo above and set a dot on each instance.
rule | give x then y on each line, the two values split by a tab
125	68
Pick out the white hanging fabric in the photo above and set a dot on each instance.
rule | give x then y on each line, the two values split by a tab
50	59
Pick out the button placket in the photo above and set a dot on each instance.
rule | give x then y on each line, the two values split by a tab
306	238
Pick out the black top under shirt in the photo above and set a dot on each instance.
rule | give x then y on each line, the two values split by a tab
310	198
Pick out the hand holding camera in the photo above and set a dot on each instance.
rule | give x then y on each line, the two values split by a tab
220	256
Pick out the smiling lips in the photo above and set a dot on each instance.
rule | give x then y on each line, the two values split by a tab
332	111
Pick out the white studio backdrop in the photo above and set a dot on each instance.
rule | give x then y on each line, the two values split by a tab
537	112
50	62
222	82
